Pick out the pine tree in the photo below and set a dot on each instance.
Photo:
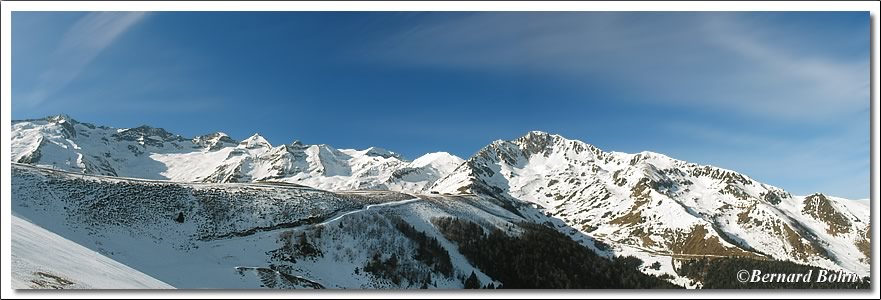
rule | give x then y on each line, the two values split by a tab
472	282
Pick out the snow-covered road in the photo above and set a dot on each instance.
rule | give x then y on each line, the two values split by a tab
366	208
335	218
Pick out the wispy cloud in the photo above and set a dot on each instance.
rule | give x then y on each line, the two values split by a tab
719	61
784	82
80	45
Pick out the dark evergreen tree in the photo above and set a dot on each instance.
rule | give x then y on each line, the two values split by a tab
305	248
630	262
472	282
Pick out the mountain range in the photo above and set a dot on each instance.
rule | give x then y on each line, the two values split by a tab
153	153
646	205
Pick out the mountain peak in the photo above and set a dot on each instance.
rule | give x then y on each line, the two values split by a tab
536	135
145	127
437	157
539	142
147	132
215	135
255	136
541	134
213	141
651	155
376	151
60	118
297	144
816	196
255	141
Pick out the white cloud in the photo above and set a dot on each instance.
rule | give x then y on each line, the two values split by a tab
79	46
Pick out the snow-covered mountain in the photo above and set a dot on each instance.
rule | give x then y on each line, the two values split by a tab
63	143
655	204
142	187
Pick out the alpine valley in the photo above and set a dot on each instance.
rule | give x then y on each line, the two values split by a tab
101	207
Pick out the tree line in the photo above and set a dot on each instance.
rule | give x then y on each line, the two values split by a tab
542	258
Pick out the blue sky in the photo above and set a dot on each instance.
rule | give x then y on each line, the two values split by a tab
782	97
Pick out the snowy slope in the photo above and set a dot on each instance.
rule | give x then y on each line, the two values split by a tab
663	206
44	260
63	143
207	235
